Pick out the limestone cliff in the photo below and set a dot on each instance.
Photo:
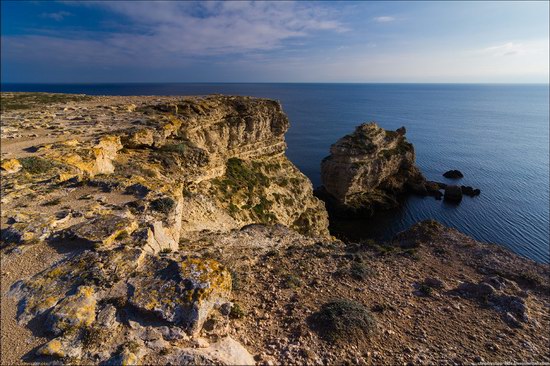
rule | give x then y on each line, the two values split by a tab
369	168
131	197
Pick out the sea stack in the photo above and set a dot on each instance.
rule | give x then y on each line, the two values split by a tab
370	169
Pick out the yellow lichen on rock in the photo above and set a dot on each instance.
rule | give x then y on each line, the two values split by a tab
52	348
11	165
74	311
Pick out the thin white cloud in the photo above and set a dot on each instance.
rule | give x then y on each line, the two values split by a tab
516	49
383	19
57	16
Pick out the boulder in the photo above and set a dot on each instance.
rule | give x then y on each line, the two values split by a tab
453	174
11	165
226	351
181	292
103	230
77	310
453	194
470	191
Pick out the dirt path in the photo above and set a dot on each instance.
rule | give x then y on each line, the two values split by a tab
18	340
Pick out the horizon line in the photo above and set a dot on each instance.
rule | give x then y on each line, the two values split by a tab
270	82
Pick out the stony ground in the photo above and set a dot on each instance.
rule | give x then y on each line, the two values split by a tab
279	289
432	295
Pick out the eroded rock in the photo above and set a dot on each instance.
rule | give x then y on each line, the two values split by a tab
104	229
370	168
76	310
11	165
181	292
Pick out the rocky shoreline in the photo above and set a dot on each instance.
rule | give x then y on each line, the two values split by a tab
155	230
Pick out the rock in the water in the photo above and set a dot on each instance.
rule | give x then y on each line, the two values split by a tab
453	194
370	168
433	189
470	191
453	174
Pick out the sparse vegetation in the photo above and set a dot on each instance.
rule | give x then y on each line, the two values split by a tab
425	290
163	204
235	280
16	101
343	321
360	271
36	165
292	281
123	235
177	148
242	178
236	312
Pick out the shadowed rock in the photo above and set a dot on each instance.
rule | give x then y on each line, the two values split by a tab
453	174
453	194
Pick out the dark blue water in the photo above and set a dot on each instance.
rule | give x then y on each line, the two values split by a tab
497	135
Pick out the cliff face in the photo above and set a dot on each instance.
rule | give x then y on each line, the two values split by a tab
131	196
200	153
370	168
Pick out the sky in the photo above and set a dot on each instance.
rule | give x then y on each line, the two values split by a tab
140	41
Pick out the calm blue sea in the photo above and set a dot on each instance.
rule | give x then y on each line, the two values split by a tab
497	135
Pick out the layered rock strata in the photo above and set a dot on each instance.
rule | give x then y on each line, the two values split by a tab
128	199
370	169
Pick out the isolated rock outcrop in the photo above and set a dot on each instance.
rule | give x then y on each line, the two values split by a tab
369	169
453	194
453	174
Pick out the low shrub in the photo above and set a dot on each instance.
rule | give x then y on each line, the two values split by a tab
292	281
343	321
163	205
425	290
236	312
360	271
36	165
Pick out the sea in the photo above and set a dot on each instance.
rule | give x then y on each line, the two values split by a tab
496	134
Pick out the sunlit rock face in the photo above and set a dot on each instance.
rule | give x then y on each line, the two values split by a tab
369	169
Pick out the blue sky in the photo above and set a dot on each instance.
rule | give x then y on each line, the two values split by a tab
118	41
